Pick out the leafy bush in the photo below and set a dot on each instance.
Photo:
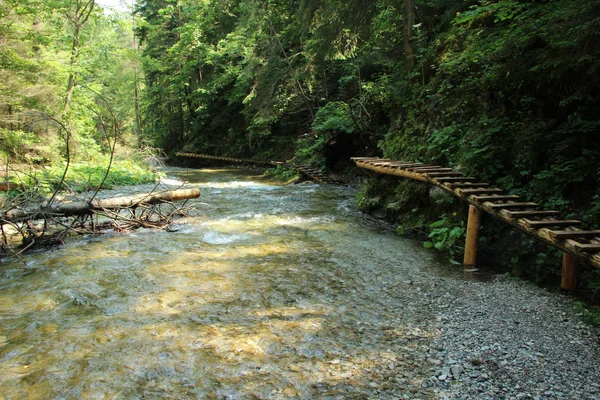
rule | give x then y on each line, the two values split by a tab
447	236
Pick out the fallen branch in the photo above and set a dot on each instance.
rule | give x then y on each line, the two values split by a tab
97	205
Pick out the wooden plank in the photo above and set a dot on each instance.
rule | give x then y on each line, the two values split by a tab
573	234
473	224
442	174
460	185
532	213
512	205
480	191
569	272
545	223
429	169
588	248
495	198
455	179
422	166
405	164
364	158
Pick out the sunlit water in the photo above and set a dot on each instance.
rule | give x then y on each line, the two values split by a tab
266	291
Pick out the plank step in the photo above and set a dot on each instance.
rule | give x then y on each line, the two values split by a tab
402	164
481	191
574	234
591	248
421	166
513	205
442	174
364	158
466	185
428	168
544	223
457	179
532	213
432	170
495	198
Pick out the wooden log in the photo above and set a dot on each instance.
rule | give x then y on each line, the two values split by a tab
574	234
82	208
569	271
473	223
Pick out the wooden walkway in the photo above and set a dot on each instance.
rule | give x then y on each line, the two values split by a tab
228	159
566	235
306	170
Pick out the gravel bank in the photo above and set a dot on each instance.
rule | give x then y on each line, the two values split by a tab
510	340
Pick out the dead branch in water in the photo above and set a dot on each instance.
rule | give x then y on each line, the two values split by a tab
22	229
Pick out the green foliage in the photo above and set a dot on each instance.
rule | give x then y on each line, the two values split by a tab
36	129
83	177
506	91
590	315
446	235
283	173
332	118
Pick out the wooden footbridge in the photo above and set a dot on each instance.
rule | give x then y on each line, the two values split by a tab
308	171
566	235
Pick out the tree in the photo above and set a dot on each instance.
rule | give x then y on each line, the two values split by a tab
77	13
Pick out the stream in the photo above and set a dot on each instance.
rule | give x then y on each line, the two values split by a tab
264	291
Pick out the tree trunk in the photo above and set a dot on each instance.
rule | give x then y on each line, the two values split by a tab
83	208
71	84
408	19
83	10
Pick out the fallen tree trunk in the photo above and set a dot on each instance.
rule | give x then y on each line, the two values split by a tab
97	205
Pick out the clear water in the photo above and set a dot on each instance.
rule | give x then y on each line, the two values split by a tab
264	291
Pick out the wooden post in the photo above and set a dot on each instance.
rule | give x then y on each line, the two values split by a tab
569	271
473	224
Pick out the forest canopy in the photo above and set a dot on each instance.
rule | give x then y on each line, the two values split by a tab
507	90
69	74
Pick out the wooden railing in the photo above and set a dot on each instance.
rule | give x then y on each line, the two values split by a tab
566	235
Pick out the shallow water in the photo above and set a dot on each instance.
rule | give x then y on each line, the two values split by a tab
265	291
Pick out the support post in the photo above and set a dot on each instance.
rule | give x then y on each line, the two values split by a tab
569	271
473	224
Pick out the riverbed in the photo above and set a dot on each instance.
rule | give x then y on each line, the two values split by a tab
268	291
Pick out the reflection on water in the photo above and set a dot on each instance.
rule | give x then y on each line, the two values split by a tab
265	291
